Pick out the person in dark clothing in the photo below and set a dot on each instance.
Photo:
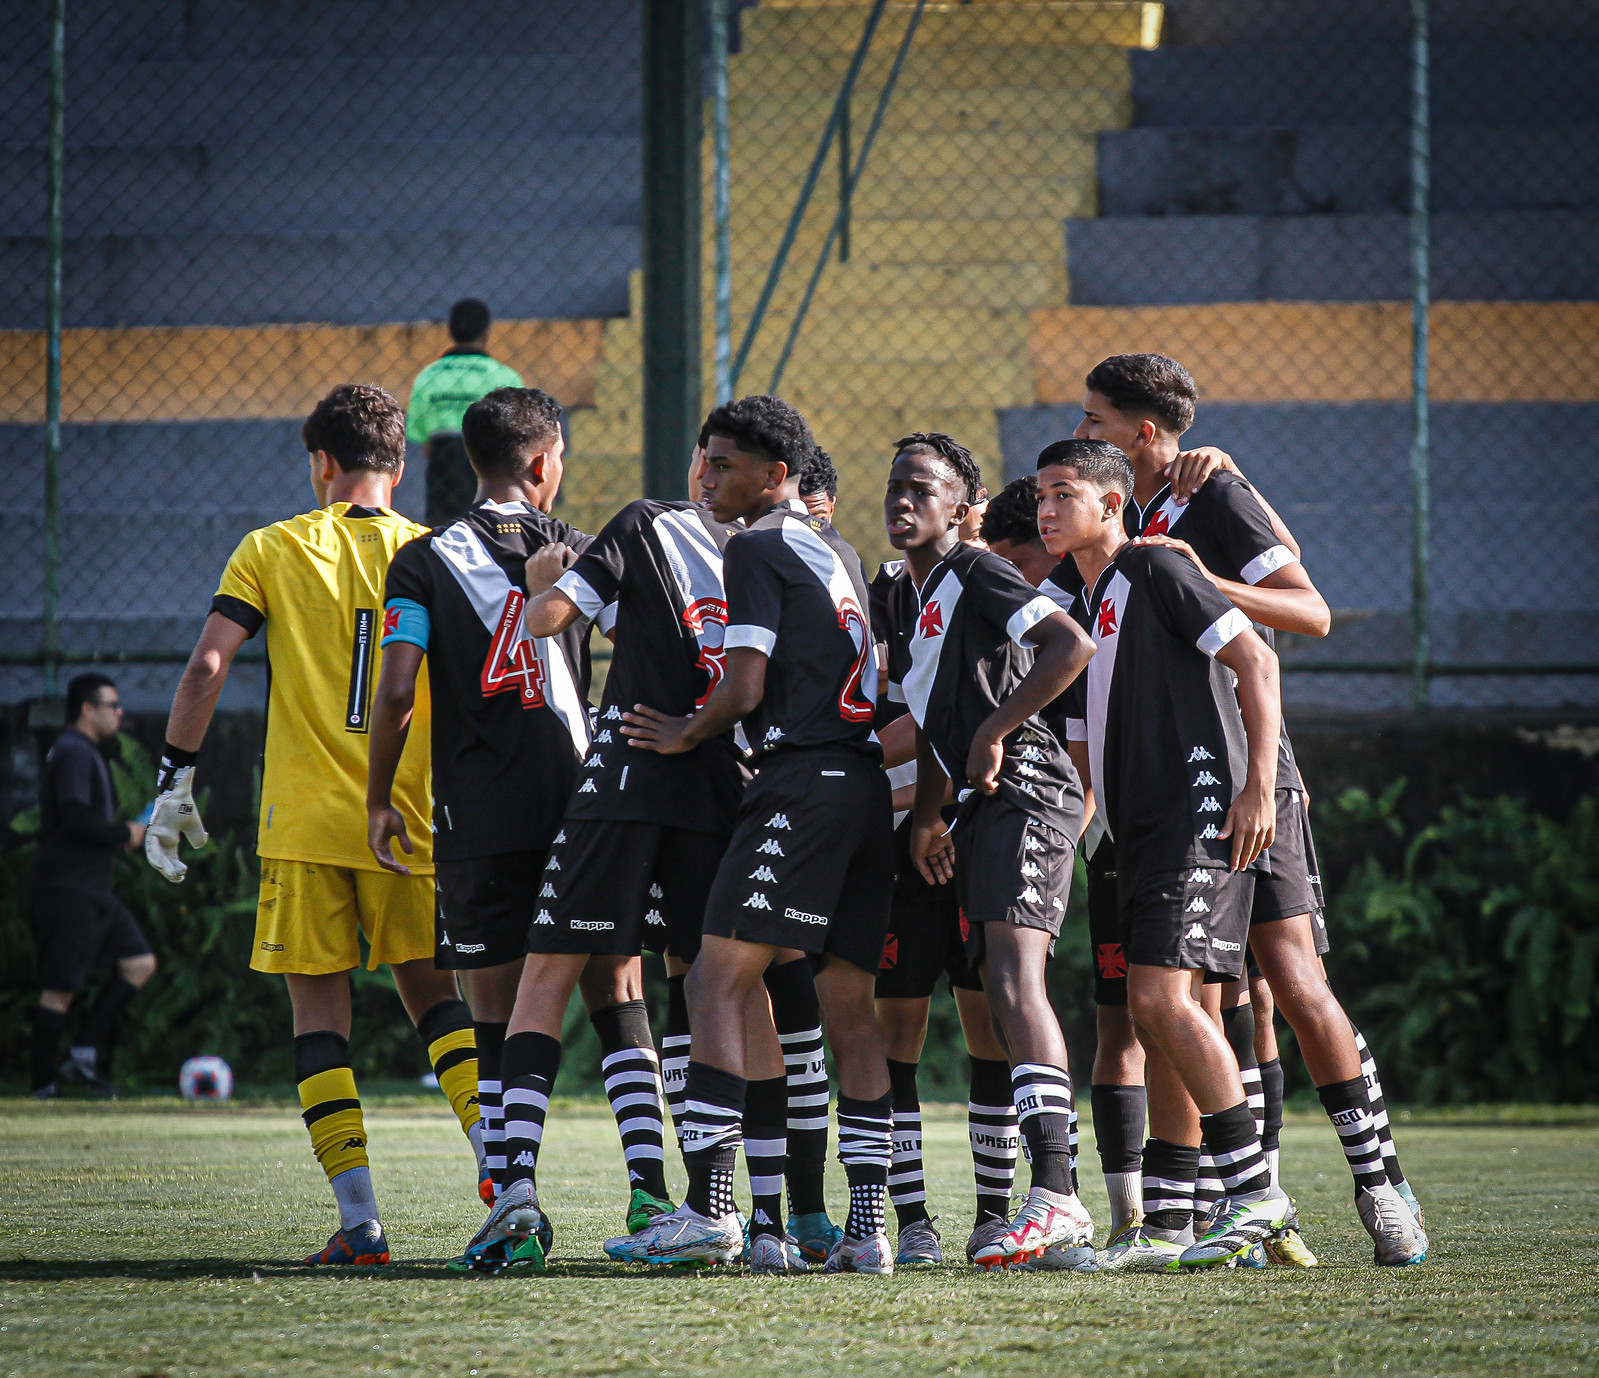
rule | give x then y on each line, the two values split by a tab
77	917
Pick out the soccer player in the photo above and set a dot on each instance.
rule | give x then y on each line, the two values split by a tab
809	865
77	917
315	582
454	599
439	398
818	487
1010	528
977	655
1143	403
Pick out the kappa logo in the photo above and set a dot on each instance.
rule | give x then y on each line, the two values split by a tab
801	916
544	917
471	947
762	1218
770	847
1209	833
1026	787
1226	946
1056	905
762	872
1032	753
1107	619
1197	906
654	917
1211	805
1032	772
778	820
1032	870
1030	895
1199	754
605	736
524	1159
757	901
592	925
611	714
553	864
559	837
1205	778
931	622
1033	844
1200	876
356	1142
1197	932
594	762
656	893
773	734
548	892
588	787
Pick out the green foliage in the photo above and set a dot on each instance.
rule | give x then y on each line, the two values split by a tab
1467	953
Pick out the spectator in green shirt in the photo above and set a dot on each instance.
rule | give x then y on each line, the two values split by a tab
439	399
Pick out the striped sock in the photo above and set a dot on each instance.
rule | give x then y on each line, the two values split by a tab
1207	1187
490	1042
991	1127
865	1147
331	1109
633	1085
1379	1111
1071	1142
713	1127
765	1151
446	1029
907	1183
1350	1113
1229	1137
529	1064
1043	1098
797	1014
675	1040
1169	1187
1238	1026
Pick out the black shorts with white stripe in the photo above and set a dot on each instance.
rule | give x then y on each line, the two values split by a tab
811	862
616	888
1293	885
1196	919
1010	867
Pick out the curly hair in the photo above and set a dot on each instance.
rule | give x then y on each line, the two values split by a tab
951	451
1013	515
819	475
360	425
766	427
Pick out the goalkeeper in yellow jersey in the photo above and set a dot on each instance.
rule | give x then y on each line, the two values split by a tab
315	583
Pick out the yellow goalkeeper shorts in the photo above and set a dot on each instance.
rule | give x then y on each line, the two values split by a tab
310	915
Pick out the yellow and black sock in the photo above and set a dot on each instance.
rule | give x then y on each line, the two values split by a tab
331	1110
446	1028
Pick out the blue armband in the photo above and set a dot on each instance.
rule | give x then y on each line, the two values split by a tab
406	620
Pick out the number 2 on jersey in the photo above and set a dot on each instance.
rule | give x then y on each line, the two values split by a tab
853	703
512	664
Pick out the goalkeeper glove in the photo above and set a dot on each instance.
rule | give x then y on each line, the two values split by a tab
173	815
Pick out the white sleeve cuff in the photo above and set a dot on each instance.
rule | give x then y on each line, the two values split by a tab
1230	624
902	775
749	636
1057	595
1025	618
1076	729
896	693
575	587
607	619
1268	562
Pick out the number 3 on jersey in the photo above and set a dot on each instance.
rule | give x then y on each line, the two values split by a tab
513	664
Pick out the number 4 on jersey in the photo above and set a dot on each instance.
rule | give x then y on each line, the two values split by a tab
513	664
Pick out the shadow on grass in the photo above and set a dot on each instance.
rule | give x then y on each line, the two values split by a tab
264	1270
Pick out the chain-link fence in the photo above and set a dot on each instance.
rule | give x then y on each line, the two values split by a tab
939	217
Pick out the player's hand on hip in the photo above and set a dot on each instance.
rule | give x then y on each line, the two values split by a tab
656	731
1251	824
383	828
984	762
933	851
1188	472
545	565
173	815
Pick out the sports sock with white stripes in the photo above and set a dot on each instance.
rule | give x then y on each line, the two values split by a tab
713	1128
1169	1187
633	1086
1238	1027
1349	1110
865	1146
1271	1088
1229	1138
797	1014
765	1151
907	1183
995	1139
529	1063
1379	1111
1119	1135
1043	1097
490	1045
675	1040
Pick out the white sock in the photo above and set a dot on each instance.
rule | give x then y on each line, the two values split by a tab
475	1134
1273	1163
1126	1192
352	1189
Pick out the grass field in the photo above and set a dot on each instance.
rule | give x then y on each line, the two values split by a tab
151	1239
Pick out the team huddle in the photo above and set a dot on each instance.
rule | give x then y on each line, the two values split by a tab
814	795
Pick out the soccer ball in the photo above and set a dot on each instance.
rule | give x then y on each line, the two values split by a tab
206	1078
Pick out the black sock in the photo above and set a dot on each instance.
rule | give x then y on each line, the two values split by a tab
712	1130
1043	1095
995	1139
529	1063
675	1040
490	1039
48	1026
1238	1026
765	1151
907	1183
1230	1139
1169	1171
1349	1110
1119	1113
632	1076
1271	1088
797	1014
865	1147
99	1029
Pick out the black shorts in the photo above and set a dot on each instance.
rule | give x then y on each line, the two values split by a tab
1009	868
811	861
485	906
615	888
1105	926
1196	919
926	934
76	929
1294	885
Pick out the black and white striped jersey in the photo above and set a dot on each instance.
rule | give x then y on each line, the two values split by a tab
661	564
796	592
957	648
1166	744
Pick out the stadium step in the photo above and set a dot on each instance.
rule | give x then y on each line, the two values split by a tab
1125	23
931	110
773	77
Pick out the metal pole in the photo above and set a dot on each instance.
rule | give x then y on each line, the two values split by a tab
843	188
722	209
52	349
1420	299
672	341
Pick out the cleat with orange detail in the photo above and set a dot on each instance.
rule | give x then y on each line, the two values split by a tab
1047	1218
361	1246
